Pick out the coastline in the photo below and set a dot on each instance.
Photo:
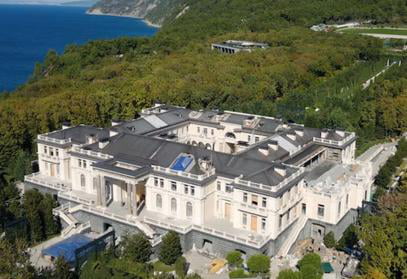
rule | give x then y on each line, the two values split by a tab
146	21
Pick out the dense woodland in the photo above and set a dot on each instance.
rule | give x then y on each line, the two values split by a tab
308	77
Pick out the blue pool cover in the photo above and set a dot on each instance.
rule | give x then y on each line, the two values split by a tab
67	247
182	163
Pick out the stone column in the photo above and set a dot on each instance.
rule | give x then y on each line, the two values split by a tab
133	199
98	190
103	191
128	202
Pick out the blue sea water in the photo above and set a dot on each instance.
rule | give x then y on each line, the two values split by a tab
27	32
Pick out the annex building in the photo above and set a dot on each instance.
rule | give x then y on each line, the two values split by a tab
223	180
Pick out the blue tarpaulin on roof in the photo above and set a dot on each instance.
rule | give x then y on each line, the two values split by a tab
182	163
67	247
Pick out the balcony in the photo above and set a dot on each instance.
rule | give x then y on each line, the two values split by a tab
48	181
57	141
334	142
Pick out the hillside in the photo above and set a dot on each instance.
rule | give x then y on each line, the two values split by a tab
156	11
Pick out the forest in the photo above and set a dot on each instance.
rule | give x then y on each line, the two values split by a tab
314	78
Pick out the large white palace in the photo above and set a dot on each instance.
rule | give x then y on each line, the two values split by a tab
223	180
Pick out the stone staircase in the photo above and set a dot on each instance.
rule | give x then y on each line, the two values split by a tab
74	226
292	236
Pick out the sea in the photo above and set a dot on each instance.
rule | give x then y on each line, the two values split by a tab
28	32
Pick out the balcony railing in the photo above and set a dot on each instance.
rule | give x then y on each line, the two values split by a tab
37	179
91	153
49	139
199	177
71	196
334	142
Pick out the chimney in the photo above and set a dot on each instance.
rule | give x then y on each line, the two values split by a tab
103	143
340	132
324	133
91	139
292	136
299	131
116	122
281	170
66	125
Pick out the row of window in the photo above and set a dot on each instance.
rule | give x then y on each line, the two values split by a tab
188	189
288	216
173	202
253	219
228	187
51	150
82	163
256	138
254	199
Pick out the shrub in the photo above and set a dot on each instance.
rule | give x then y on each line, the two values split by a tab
348	239
311	272
259	263
181	267
238	273
310	259
234	259
289	274
310	266
329	240
193	276
137	248
170	249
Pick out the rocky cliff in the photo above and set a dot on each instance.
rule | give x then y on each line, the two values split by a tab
154	11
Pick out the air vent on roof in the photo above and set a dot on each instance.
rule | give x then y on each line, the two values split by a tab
195	114
66	125
103	142
281	170
340	132
324	133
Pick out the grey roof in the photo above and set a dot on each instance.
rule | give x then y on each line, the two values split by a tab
163	153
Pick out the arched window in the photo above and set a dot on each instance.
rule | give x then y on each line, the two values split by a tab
158	201
83	181
173	205
208	146
189	209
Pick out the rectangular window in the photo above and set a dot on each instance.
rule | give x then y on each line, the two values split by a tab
173	185
366	195
254	200
193	190
186	189
264	202
263	224
51	151
244	197
229	188
347	200
205	131
321	210
212	132
219	186
199	129
249	138
57	168
161	182
84	164
288	215
45	149
244	219
280	221
155	181
304	208
80	163
256	139
57	152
